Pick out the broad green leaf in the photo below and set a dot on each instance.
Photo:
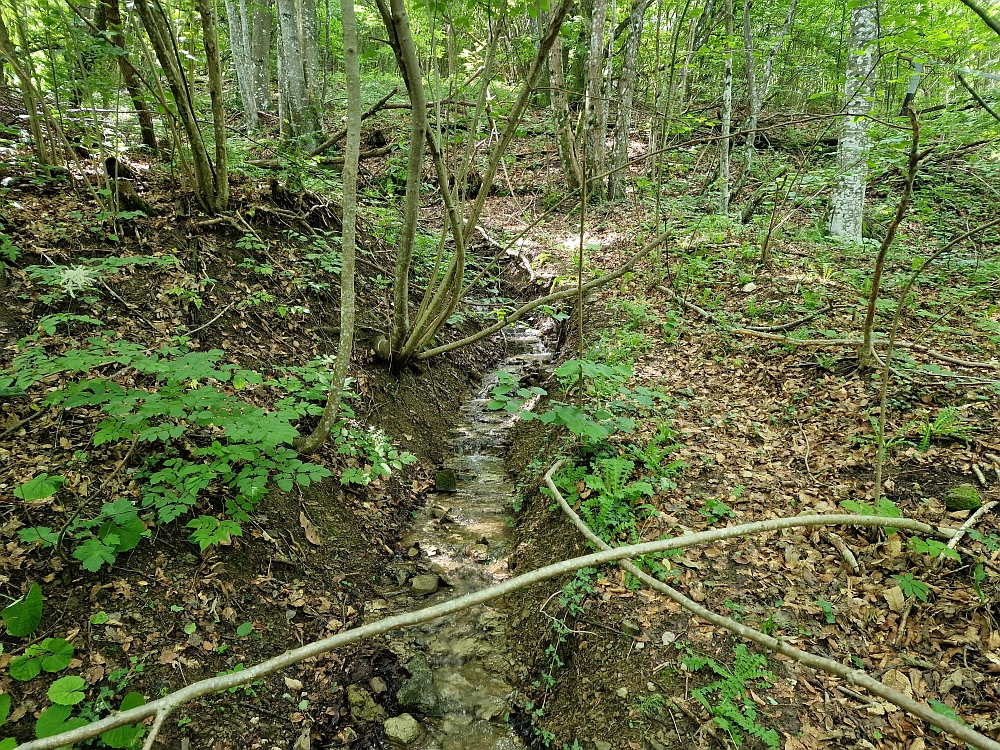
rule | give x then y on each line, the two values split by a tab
244	630
59	654
55	720
93	554
126	736
24	615
39	488
8	744
67	691
4	708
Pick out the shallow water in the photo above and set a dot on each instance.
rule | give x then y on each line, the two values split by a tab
464	537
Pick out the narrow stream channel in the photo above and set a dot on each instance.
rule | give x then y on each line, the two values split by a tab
460	542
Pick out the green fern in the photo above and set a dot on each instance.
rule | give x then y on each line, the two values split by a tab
733	710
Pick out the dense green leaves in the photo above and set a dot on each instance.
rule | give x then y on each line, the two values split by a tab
51	655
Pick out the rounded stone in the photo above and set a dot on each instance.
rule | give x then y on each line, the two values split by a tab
403	729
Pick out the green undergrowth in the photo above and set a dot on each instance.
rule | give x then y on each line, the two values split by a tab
207	443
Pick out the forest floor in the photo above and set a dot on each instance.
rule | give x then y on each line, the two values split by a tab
740	430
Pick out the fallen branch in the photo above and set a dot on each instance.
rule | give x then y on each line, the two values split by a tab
22	422
549	299
371	154
777	338
853	676
342	133
163	707
792	323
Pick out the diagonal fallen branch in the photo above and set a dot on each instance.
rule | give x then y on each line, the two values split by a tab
163	707
777	338
853	676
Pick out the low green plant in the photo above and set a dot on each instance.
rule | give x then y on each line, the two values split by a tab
715	510
912	586
732	708
949	424
86	275
22	618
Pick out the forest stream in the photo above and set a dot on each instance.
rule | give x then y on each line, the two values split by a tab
459	543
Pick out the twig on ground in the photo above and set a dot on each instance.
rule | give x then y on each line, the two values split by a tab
18	425
979	474
843	549
793	323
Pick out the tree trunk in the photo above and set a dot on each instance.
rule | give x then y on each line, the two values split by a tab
24	72
727	112
561	116
261	23
130	76
757	91
352	69
848	197
298	120
210	29
626	87
164	44
246	78
595	90
309	37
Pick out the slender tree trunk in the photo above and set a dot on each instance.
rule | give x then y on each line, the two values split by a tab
848	198
396	23
757	91
626	87
25	75
239	42
208	11
595	90
164	45
727	112
130	76
352	68
561	117
261	23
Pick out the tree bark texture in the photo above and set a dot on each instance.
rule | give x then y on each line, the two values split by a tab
130	76
298	116
626	88
595	91
848	198
727	112
261	24
352	150
239	42
209	13
561	116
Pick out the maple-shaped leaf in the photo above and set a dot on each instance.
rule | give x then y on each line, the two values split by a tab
93	553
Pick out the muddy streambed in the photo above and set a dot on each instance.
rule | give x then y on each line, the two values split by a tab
461	675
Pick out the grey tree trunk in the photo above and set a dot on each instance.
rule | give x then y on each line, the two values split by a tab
626	88
239	42
352	69
297	115
560	111
848	199
261	25
757	90
310	49
210	31
727	112
164	44
595	90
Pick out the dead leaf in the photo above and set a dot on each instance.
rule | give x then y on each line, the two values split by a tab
292	684
898	681
895	598
312	533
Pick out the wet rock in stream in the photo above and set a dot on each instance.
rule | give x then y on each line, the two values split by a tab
420	690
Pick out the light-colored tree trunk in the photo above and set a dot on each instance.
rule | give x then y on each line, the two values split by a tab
727	112
626	87
595	90
599	156
261	24
848	198
297	115
237	14
352	149
561	117
309	37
